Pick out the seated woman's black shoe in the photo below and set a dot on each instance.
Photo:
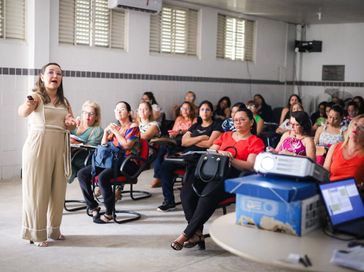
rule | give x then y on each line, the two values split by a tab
195	240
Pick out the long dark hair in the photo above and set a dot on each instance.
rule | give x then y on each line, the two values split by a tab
128	108
151	97
209	104
42	92
289	99
303	120
262	98
191	116
250	115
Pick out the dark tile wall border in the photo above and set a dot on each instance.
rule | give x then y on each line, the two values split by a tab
110	75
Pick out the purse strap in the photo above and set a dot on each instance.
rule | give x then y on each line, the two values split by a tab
233	148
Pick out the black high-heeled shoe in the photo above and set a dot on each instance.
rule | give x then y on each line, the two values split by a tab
196	239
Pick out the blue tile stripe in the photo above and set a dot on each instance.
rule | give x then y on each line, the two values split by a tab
110	75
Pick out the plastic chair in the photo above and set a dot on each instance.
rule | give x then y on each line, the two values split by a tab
146	156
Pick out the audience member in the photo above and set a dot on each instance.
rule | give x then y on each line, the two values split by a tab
198	209
258	119
157	111
45	157
286	125
318	118
352	110
297	141
228	124
263	109
124	135
360	101
199	137
223	108
293	99
183	122
148	127
346	159
331	133
190	97
88	132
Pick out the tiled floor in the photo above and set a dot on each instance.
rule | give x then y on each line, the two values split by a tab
141	245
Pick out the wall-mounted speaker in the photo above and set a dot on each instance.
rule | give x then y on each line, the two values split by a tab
308	46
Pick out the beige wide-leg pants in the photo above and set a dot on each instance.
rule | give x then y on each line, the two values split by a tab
44	184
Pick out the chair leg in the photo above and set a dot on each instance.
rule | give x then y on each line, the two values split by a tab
127	216
68	209
136	194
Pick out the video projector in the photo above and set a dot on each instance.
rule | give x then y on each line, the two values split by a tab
267	163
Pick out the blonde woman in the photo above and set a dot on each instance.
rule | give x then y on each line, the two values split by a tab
346	159
88	131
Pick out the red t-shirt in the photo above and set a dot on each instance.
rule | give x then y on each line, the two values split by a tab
251	145
341	168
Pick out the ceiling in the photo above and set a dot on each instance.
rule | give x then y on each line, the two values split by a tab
295	11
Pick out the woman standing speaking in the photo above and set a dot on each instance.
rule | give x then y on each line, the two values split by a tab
45	158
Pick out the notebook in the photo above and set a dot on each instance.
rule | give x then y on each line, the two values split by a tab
344	206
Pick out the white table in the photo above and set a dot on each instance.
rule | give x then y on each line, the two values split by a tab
273	248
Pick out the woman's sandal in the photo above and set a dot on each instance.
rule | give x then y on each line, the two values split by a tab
95	213
176	245
196	239
61	237
39	244
104	219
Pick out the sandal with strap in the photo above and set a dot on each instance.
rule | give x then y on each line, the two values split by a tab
196	239
176	245
104	219
39	244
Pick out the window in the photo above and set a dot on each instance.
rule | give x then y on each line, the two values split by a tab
12	19
174	31
234	38
90	23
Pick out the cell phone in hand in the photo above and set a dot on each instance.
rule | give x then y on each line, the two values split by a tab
29	97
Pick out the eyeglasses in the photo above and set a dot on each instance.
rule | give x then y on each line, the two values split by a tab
89	113
185	108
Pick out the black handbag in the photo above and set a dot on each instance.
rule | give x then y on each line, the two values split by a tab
212	167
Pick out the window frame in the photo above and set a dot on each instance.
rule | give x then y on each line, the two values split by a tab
81	23
173	44
13	26
241	42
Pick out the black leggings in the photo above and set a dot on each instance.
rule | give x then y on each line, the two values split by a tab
199	209
104	177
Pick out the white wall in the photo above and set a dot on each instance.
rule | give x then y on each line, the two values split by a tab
342	44
272	57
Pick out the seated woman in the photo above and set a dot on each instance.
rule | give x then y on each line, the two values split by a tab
228	124
183	122
199	209
285	126
318	118
222	108
331	133
346	159
157	111
258	119
124	135
88	131
147	126
190	97
297	141
293	99
263	109
199	137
